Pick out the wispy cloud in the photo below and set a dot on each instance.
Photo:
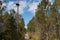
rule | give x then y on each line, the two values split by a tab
4	4
12	5
51	1
23	4
33	7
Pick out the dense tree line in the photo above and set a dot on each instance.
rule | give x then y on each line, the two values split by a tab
46	22
8	28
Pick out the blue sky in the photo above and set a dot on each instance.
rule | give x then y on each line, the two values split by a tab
26	9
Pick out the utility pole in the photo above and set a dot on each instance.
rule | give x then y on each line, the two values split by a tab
17	16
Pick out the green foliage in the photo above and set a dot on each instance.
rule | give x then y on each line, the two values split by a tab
9	28
47	26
